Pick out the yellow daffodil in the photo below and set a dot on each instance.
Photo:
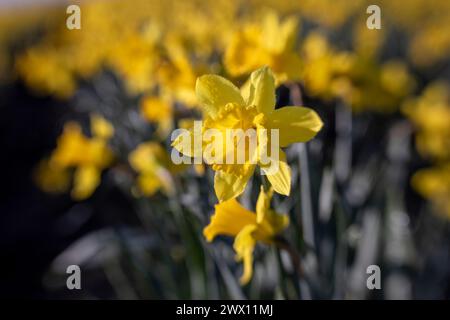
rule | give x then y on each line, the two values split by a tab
177	72
134	59
46	72
434	184
188	123
248	228
356	79
51	178
153	166
158	110
101	128
225	108
87	156
270	43
430	113
320	65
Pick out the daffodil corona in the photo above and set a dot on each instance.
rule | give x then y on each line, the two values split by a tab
225	108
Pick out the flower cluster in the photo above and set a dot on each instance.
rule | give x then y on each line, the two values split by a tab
86	156
229	64
430	114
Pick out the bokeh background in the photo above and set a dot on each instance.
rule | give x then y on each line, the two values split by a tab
86	178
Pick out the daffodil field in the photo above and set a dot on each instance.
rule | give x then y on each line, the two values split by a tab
96	173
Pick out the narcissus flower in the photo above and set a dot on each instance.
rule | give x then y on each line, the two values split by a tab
45	71
76	151
248	228
177	72
226	109
359	81
154	168
159	111
271	43
434	184
430	114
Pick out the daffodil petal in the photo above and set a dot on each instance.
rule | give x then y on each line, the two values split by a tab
229	219
289	31
101	127
296	124
273	224
214	92
244	244
279	174
263	204
247	90
228	185
189	142
262	92
148	183
86	180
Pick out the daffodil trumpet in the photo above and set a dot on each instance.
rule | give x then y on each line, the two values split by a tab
242	145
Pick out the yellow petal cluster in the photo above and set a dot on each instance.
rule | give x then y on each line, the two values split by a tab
154	168
224	108
232	219
430	115
84	156
270	42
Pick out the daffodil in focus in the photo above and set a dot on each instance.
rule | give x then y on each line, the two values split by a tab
247	227
188	123
225	108
154	169
271	43
86	157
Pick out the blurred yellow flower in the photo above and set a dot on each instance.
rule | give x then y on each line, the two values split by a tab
434	184
153	166
321	64
101	128
51	178
75	149
159	111
225	108
178	71
354	77
85	180
87	156
135	59
430	113
270	43
45	71
248	228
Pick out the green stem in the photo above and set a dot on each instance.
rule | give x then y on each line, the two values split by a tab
265	182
